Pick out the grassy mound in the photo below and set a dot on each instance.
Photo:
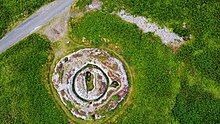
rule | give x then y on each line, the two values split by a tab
23	95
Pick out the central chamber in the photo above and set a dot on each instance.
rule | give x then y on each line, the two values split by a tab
90	83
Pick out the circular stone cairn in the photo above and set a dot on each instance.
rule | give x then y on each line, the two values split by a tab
90	83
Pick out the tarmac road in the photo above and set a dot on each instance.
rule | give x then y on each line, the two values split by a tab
34	22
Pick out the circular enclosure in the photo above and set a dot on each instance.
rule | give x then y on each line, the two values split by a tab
90	82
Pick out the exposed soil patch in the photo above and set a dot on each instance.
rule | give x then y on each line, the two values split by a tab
167	37
58	28
95	5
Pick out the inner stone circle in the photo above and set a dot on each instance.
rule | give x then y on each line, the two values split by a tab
90	83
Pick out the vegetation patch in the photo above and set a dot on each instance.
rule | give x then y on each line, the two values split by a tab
24	97
193	105
82	3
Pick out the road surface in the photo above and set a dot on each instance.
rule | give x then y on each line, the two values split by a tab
34	22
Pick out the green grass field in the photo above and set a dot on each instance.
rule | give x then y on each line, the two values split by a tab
12	11
194	105
199	97
166	87
24	97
